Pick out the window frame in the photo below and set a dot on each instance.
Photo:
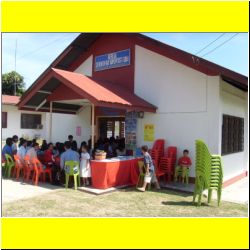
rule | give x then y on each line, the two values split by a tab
5	114
23	125
232	137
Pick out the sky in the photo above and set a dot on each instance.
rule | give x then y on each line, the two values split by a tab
36	51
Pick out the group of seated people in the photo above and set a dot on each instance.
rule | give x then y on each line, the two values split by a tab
53	156
112	146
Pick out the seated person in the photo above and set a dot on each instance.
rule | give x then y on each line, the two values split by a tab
14	144
48	155
44	146
184	163
21	152
7	149
120	151
68	155
32	152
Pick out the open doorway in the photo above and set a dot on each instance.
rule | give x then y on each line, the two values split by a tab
111	127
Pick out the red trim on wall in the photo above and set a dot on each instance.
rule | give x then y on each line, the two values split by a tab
235	179
227	182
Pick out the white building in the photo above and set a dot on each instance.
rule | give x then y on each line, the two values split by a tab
183	96
35	124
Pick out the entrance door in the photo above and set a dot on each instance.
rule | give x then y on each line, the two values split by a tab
112	127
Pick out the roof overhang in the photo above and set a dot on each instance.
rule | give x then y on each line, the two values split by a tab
61	87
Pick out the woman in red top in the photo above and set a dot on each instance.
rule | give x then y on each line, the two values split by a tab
48	155
184	164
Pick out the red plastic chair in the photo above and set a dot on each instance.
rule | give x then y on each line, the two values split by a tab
159	146
171	155
156	156
158	172
18	167
167	167
28	168
39	170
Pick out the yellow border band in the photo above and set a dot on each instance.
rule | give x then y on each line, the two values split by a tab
125	16
152	233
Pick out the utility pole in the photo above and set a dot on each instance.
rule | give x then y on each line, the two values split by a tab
15	69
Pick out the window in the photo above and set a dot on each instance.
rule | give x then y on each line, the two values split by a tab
232	134
4	119
30	121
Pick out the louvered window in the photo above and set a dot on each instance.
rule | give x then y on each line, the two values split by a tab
232	134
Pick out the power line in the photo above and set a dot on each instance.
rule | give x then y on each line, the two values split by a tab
210	43
220	45
42	47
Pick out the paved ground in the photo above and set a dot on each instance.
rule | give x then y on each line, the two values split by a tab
16	190
237	192
13	190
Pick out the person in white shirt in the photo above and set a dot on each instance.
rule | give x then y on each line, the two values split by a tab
32	152
21	152
85	171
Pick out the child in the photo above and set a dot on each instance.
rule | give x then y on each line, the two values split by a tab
85	171
184	163
150	170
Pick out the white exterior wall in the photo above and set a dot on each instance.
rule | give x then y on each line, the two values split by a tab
86	67
14	123
187	102
62	125
234	102
65	124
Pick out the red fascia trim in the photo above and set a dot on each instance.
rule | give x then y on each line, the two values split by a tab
235	179
35	89
125	107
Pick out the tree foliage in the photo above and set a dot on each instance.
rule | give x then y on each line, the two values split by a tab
9	80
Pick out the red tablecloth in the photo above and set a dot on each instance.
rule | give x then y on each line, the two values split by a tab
112	174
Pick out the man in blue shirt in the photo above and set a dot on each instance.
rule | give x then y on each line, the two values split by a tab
7	149
68	155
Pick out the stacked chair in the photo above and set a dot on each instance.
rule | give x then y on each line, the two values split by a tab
209	173
167	164
164	164
157	151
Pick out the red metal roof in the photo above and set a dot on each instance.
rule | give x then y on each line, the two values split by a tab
104	92
100	93
10	99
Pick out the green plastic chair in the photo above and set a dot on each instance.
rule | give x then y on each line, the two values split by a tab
179	172
72	169
9	164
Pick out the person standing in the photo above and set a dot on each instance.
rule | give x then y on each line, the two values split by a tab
85	171
150	170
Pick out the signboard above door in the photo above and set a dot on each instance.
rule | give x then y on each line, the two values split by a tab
112	60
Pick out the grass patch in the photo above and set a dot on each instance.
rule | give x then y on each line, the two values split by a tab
124	203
